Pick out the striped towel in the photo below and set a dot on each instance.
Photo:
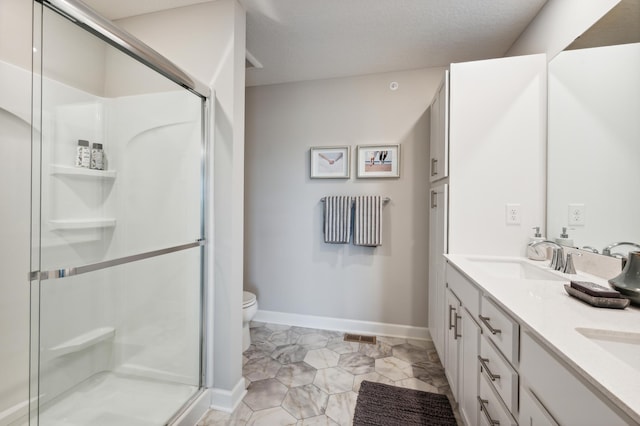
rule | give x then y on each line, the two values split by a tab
337	219
367	222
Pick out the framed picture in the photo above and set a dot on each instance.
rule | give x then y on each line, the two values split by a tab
330	162
378	161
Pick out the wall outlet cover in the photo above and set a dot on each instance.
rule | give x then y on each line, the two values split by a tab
513	214
577	213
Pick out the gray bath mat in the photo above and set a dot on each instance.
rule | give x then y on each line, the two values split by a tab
384	405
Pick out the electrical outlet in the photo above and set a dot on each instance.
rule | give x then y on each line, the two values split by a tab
513	214
577	215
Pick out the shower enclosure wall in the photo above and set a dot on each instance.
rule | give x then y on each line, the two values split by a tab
105	279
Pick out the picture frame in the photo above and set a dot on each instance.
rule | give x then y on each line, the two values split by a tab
378	161
330	162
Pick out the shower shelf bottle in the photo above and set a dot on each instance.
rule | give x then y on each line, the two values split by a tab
97	157
83	154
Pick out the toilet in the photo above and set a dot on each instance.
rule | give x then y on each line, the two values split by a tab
249	309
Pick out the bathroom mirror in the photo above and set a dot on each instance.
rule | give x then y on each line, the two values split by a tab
594	134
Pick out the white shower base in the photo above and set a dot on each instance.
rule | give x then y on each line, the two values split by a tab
110	399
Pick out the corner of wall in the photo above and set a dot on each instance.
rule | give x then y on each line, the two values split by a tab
559	23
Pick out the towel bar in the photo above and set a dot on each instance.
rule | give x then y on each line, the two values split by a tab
384	200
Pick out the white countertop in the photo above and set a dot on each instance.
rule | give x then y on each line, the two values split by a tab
545	309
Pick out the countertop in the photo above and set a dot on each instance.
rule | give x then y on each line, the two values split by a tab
545	309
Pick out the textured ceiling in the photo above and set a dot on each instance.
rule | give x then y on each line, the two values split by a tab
312	39
299	40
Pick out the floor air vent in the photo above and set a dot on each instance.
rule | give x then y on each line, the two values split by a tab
359	338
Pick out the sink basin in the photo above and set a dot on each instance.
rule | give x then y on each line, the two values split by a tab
516	269
623	345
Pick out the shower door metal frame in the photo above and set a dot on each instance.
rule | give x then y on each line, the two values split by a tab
88	19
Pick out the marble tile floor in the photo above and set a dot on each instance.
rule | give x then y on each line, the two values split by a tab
303	377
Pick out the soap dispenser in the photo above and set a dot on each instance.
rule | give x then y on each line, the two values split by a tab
564	239
539	252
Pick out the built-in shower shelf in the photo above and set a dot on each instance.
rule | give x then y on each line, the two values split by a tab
101	222
57	169
82	341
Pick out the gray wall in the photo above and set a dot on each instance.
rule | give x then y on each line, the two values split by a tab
287	264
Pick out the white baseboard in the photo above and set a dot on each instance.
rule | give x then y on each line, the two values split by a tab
346	325
196	410
227	401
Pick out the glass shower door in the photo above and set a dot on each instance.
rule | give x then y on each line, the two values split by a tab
117	243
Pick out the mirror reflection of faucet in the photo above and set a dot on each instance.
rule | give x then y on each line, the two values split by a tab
607	250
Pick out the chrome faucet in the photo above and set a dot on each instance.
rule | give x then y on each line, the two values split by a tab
607	250
557	260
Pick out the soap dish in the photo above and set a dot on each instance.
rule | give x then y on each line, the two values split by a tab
600	302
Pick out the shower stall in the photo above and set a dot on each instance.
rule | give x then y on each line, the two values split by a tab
102	226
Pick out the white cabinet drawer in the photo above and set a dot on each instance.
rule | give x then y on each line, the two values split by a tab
532	412
491	409
466	291
564	395
503	331
499	374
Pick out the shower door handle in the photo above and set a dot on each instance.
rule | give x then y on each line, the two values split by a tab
79	270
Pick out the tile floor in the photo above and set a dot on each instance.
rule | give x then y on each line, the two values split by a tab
303	377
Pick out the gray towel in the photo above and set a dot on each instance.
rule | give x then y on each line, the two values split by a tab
337	219
367	222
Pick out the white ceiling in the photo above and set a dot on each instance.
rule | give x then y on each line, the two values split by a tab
299	40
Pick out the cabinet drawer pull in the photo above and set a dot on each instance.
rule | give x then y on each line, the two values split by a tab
451	309
482	403
485	321
483	364
434	199
434	166
455	327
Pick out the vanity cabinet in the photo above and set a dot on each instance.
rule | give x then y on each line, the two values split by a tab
502	330
463	343
468	392
439	142
491	409
501	373
481	351
497	362
561	396
451	359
